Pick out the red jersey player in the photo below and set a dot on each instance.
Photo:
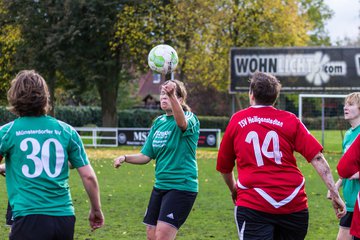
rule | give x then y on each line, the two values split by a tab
348	165
269	193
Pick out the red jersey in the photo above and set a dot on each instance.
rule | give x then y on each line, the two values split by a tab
262	140
348	165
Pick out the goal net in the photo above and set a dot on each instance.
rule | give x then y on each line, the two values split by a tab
323	115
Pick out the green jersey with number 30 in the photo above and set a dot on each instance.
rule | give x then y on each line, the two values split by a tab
37	151
175	153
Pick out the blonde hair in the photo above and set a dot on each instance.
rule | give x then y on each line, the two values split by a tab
28	94
353	98
180	92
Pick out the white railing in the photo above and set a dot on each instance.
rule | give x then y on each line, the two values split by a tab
93	137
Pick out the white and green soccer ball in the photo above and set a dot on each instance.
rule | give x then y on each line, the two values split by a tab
163	59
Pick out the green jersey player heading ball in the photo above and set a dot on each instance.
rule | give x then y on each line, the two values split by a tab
37	149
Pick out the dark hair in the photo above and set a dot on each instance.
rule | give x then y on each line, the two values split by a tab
265	88
28	94
180	92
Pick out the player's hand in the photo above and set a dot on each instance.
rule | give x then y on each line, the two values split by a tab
169	88
339	206
2	169
119	161
96	219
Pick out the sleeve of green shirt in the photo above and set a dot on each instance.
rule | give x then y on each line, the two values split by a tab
193	124
76	150
147	149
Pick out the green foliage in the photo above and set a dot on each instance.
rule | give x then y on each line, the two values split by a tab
137	117
217	122
330	123
77	45
79	116
317	14
6	116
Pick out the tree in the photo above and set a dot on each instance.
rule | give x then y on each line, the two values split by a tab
9	40
71	39
318	13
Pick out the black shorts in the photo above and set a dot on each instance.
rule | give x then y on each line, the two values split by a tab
257	225
35	227
345	221
170	206
8	217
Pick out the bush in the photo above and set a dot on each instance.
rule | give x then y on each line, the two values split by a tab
6	116
330	123
214	122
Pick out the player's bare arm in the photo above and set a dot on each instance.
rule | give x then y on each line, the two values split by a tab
96	217
170	89
322	167
231	183
133	158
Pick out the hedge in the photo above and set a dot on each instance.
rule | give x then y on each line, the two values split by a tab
85	116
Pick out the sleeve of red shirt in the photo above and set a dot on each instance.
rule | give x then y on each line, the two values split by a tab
226	155
349	162
305	143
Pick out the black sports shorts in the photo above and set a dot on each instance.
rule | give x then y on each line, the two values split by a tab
36	227
170	206
257	225
345	221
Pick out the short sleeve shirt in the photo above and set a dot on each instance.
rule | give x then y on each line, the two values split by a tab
174	152
37	151
261	141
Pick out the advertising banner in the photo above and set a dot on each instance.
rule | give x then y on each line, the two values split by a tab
299	69
137	137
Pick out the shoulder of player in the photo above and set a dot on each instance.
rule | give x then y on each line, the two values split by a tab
4	129
65	126
190	115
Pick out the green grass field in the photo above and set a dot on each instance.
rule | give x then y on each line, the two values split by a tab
125	193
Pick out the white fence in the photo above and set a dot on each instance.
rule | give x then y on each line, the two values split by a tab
93	137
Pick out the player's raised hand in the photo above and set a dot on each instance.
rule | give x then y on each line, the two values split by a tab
169	88
119	161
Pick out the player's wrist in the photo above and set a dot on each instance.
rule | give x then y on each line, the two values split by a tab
124	158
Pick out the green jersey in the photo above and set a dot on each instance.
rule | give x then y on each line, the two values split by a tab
37	151
350	187
174	152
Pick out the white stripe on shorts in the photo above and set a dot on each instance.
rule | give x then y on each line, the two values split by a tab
242	230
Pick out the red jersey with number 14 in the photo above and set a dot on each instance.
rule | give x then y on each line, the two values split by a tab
262	140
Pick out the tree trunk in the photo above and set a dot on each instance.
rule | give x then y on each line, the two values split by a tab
108	90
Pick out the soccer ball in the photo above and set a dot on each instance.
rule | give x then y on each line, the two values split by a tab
163	59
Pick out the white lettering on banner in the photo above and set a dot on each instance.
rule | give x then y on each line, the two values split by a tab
140	136
316	67
357	63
